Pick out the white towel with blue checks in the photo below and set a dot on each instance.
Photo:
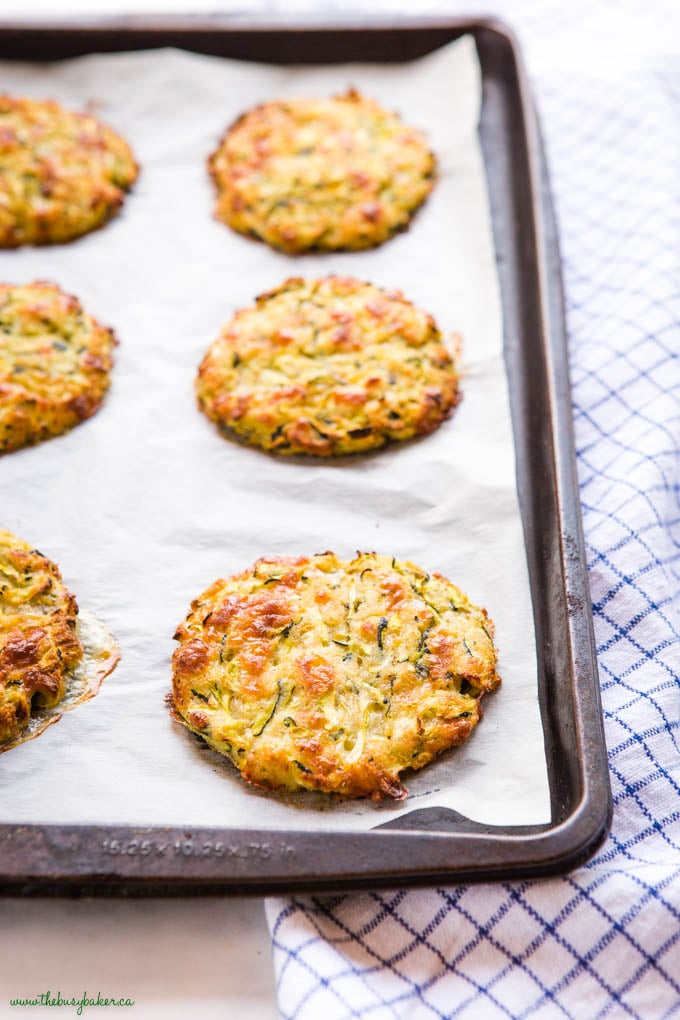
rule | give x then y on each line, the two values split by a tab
603	941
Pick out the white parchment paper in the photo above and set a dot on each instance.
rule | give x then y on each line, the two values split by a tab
145	505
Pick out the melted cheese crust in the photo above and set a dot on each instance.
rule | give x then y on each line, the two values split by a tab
63	173
54	363
332	675
38	641
321	174
328	367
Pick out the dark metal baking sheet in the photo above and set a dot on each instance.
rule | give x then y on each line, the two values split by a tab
423	846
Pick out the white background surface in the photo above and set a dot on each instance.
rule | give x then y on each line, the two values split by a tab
178	959
141	948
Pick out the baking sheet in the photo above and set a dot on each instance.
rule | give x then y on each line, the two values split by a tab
144	505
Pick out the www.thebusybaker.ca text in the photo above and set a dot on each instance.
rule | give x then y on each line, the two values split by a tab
49	999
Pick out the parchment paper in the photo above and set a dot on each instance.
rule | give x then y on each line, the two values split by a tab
145	505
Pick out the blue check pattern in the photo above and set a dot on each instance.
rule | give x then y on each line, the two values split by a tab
603	941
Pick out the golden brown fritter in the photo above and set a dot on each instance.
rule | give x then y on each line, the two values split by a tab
328	367
62	174
322	174
332	675
54	363
44	667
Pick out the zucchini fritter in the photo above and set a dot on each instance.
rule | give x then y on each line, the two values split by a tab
332	675
54	363
48	663
328	367
325	174
62	174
